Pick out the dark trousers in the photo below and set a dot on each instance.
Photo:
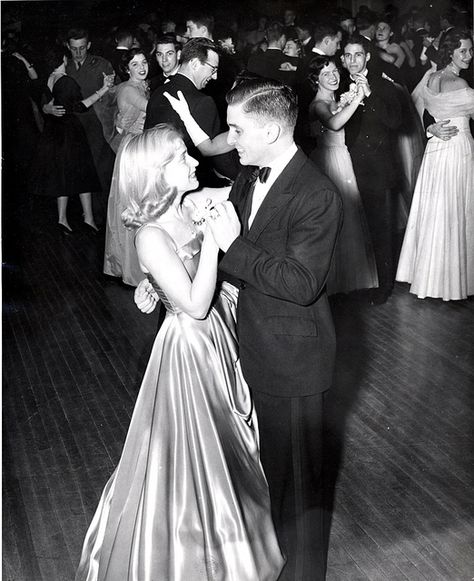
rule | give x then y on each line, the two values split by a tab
377	187
291	453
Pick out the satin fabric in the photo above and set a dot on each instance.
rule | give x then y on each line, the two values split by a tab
437	255
189	500
353	266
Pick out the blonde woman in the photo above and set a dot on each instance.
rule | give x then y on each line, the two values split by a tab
188	499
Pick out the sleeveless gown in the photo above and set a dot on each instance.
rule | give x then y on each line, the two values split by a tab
437	255
188	500
353	266
120	255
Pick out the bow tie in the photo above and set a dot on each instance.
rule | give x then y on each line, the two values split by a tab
261	173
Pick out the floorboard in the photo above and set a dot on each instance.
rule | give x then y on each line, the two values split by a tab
399	421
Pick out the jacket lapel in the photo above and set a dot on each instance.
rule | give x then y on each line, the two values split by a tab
279	195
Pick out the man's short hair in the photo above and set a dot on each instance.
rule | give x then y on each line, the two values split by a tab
365	20
358	39
274	31
77	34
201	19
323	30
197	48
168	39
266	99
123	35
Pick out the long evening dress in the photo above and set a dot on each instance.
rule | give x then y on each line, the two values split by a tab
120	255
63	164
188	500
353	266
437	255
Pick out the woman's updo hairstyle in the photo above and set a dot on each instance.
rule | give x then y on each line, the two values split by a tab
316	65
450	43
144	192
54	56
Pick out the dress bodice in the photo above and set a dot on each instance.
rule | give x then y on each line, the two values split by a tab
130	117
327	137
450	104
189	255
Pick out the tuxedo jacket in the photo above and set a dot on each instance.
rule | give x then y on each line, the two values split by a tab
204	111
284	324
370	133
267	64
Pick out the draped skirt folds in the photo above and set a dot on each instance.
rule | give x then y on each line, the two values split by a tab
188	500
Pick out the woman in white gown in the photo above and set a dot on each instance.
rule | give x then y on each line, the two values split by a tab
188	500
437	256
353	265
120	255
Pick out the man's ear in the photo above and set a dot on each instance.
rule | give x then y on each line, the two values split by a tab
273	132
178	55
88	45
367	57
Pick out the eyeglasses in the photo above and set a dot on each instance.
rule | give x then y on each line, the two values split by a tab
213	67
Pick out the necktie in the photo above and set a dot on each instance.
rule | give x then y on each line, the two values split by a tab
79	65
262	174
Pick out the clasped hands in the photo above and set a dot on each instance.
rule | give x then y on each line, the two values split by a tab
362	87
224	224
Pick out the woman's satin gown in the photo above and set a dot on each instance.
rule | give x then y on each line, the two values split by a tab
188	500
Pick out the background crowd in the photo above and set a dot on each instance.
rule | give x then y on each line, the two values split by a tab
354	75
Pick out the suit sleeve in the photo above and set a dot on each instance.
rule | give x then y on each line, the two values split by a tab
300	274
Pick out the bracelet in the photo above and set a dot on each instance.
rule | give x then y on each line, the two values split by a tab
97	93
30	66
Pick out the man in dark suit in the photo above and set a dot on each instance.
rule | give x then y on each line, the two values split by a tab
370	138
198	65
167	55
267	64
279	261
124	42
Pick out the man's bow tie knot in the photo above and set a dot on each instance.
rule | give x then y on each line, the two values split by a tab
261	173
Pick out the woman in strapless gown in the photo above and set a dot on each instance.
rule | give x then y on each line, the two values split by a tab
188	500
437	256
120	255
353	266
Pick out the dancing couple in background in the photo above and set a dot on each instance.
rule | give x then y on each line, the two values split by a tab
189	499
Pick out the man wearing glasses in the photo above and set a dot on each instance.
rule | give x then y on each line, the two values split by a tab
198	65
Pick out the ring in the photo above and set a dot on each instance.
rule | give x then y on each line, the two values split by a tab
213	213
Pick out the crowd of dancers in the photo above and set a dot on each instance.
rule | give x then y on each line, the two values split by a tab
313	151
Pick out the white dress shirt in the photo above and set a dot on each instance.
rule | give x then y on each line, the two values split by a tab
261	190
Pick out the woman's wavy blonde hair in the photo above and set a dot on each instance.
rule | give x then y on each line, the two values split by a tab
143	190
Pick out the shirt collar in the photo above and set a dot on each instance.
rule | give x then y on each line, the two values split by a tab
279	164
318	51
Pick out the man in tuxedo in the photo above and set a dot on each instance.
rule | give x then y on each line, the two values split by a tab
280	260
167	54
198	65
370	137
267	64
123	43
278	245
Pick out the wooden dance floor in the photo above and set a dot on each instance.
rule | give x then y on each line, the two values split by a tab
399	419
